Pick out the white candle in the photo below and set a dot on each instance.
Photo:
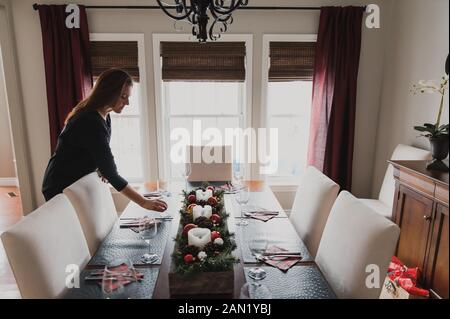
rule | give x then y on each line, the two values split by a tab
199	237
199	211
203	195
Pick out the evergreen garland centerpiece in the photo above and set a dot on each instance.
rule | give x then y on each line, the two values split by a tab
203	243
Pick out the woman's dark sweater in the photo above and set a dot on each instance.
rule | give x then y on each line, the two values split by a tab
82	148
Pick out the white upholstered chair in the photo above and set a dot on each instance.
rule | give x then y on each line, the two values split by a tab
42	245
216	165
312	205
95	208
383	204
356	243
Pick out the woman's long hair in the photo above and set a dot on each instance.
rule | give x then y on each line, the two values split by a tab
106	91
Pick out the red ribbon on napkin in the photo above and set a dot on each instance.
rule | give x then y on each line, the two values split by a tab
406	277
282	263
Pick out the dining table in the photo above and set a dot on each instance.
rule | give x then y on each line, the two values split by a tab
304	280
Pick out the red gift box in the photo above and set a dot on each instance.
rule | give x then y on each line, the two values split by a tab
406	277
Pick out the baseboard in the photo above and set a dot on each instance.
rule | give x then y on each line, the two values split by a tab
9	181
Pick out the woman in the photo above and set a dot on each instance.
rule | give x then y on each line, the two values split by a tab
83	145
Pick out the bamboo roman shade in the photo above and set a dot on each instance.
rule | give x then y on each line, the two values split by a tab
291	61
211	61
114	54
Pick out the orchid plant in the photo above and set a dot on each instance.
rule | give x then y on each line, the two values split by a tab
436	129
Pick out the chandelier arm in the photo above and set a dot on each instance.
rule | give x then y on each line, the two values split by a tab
222	29
161	5
215	7
225	18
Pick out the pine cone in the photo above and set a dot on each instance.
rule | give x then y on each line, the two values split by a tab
209	249
204	222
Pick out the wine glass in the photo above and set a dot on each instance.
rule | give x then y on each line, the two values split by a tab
148	229
238	175
114	275
186	173
242	197
255	290
257	244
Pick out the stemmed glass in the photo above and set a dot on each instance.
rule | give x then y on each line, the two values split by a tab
238	175
257	242
148	229
186	173
258	245
242	197
114	274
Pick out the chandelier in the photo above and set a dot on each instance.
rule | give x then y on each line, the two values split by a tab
196	14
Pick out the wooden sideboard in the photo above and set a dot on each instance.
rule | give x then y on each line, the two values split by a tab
421	210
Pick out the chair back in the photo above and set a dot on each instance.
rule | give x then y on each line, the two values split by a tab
356	248
95	208
401	152
42	246
313	201
210	163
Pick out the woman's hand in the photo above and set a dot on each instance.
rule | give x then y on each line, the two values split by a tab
154	204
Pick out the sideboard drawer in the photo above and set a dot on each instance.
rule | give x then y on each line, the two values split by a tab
417	182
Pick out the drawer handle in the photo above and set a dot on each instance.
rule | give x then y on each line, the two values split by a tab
427	218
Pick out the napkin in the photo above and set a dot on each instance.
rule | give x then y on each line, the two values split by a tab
281	262
262	215
123	274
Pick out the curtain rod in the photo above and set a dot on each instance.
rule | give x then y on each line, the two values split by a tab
35	7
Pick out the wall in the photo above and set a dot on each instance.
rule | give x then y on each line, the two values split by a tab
28	39
416	50
7	169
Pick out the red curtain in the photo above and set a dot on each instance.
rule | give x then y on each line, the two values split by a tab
334	93
67	64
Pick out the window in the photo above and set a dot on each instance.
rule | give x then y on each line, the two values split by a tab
289	72
199	83
215	104
128	144
289	106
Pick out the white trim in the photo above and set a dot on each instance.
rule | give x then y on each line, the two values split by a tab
267	38
139	38
9	181
161	122
17	113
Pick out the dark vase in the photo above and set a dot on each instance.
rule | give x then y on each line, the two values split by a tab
439	152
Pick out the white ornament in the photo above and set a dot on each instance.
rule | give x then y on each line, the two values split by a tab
218	241
199	211
199	237
202	255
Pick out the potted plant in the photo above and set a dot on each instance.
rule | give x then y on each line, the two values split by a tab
437	133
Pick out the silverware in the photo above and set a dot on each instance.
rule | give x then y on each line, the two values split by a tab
283	253
139	218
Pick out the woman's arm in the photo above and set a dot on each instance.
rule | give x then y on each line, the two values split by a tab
151	204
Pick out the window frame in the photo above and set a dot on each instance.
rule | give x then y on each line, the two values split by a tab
144	123
162	115
267	38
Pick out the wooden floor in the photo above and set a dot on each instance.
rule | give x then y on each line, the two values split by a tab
10	213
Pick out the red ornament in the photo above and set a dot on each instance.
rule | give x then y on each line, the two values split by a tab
188	259
187	228
192	199
215	218
212	201
214	235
